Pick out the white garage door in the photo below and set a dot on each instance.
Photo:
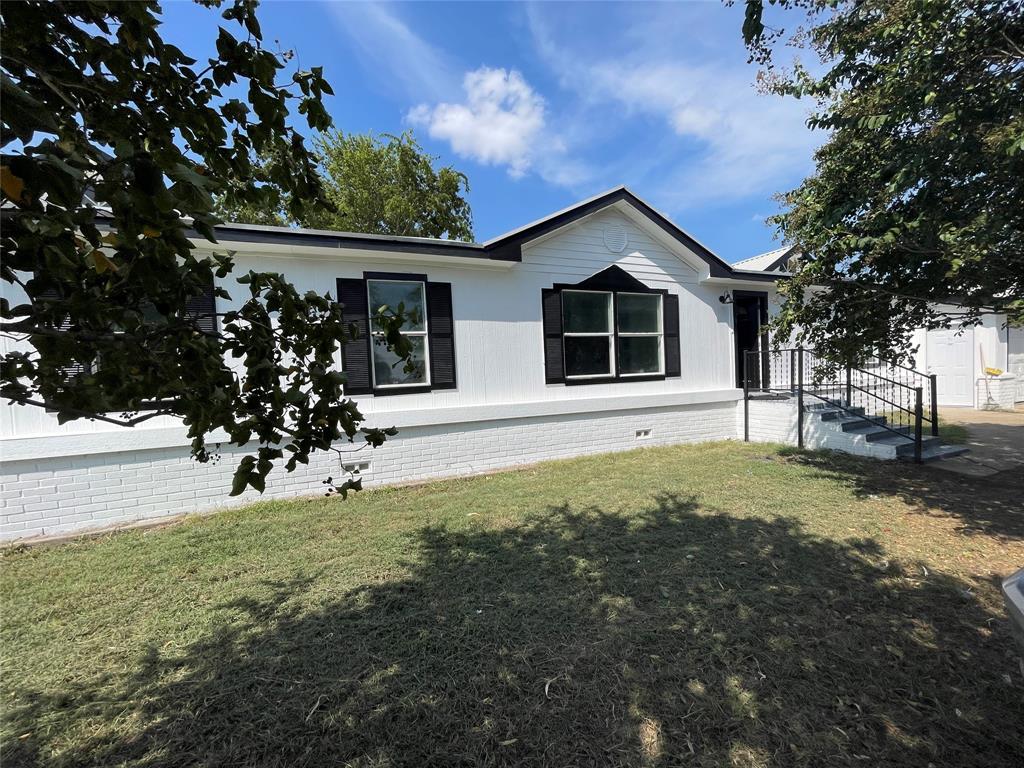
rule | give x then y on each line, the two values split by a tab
1016	359
951	358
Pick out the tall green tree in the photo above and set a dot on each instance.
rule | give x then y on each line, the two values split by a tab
235	205
917	200
375	184
388	185
115	143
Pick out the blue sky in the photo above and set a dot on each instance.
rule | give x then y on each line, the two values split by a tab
545	104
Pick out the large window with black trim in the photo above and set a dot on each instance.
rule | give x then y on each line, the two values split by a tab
610	327
388	370
370	366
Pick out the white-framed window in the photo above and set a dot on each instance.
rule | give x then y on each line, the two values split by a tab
388	371
612	334
639	322
588	335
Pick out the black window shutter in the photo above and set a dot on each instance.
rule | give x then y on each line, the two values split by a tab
202	308
441	330
671	312
554	363
355	355
73	371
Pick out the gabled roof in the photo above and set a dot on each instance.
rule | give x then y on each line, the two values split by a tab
507	247
771	261
510	244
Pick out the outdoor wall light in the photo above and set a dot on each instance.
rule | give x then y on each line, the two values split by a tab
726	298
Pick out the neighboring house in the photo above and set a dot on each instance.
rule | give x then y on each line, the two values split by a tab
600	328
958	358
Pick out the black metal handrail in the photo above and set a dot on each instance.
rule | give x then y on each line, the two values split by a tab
874	420
890	402
897	406
927	382
883	378
890	364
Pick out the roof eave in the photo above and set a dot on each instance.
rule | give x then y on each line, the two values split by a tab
316	238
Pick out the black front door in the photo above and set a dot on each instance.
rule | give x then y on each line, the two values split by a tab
750	316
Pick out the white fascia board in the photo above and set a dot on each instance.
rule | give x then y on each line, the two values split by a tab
368	257
554	215
136	439
88	443
739	282
476	413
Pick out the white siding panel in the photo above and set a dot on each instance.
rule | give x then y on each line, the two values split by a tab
498	337
581	246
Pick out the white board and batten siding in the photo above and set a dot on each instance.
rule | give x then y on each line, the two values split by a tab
61	478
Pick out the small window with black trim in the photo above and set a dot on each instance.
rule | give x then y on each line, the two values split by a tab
600	342
410	297
639	322
609	327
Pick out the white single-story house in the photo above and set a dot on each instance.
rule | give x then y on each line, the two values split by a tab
602	327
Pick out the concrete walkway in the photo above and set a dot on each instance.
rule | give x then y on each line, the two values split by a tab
996	440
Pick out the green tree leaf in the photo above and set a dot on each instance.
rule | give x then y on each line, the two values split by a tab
917	199
114	150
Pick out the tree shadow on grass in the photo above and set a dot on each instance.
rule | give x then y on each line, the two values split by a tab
992	505
580	638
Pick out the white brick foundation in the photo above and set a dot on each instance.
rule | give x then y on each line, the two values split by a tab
46	496
771	421
774	421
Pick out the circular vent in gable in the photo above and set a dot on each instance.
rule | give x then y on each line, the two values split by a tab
615	238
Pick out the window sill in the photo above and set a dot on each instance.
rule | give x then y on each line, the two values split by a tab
569	382
391	391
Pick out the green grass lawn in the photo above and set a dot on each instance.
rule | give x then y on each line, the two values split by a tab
950	432
953	433
720	604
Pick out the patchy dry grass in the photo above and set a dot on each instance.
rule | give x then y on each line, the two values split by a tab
709	605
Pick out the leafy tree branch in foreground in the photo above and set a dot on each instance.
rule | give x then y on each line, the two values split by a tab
917	200
115	144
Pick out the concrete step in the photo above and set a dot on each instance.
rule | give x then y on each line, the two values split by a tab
832	414
905	443
876	431
932	448
862	424
936	452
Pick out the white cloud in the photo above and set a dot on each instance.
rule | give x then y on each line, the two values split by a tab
501	122
704	135
746	143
